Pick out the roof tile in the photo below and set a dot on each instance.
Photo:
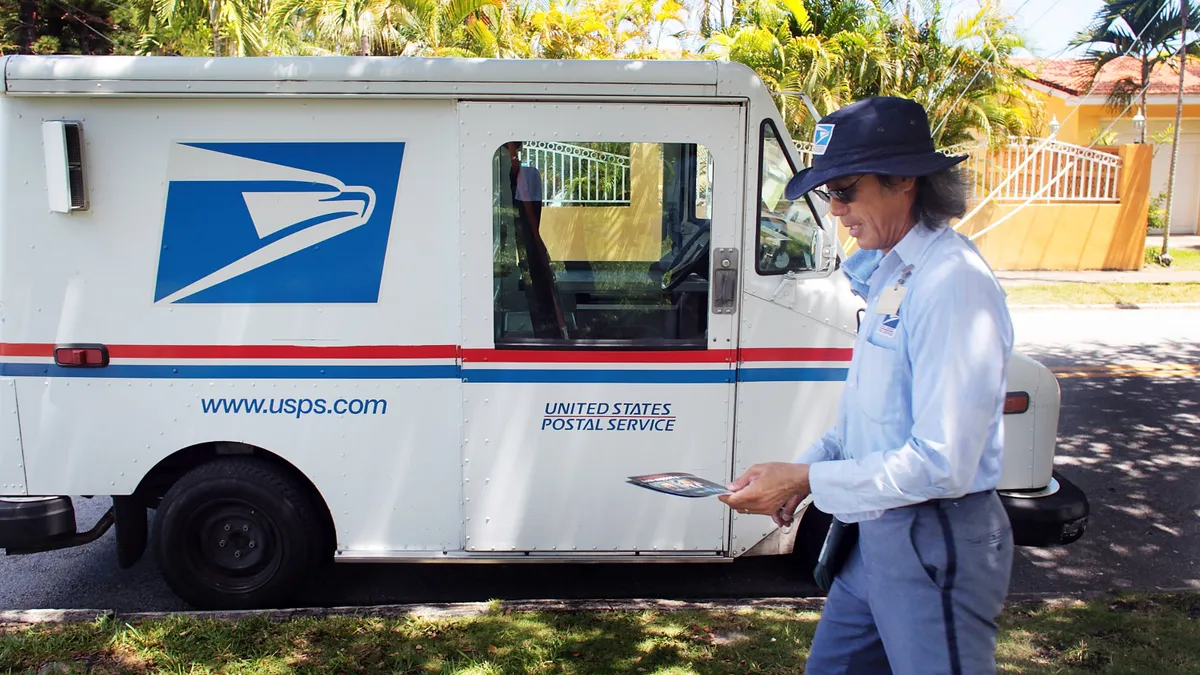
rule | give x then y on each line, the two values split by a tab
1073	75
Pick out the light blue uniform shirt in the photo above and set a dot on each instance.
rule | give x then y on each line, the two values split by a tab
921	416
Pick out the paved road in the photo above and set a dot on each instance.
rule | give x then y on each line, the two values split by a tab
1130	437
1127	437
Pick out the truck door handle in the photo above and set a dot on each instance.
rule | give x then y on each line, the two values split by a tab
724	280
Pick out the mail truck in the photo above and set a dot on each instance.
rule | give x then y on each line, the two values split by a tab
288	312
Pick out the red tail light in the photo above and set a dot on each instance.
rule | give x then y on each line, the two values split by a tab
1016	402
81	356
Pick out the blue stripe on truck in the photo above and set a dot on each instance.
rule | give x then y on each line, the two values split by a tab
441	372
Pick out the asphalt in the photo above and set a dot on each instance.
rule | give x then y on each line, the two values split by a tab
1129	436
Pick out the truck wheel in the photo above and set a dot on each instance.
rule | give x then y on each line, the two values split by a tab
236	533
810	537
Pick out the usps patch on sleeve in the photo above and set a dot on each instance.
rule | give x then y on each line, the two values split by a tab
821	137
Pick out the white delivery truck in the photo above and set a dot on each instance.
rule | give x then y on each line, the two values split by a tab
304	310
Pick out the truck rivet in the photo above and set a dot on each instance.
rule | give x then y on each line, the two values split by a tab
222	544
237	554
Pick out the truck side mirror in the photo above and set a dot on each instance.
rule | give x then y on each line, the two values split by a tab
799	247
824	256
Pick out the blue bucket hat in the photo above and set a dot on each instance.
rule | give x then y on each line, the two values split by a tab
881	135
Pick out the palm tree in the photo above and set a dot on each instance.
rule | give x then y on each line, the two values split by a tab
1164	254
439	27
784	44
360	27
393	27
579	30
186	27
1143	29
502	32
838	52
965	78
1149	30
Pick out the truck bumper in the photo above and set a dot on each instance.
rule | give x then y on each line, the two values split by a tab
1054	519
36	524
28	521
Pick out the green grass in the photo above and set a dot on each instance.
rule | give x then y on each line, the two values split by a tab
1181	258
1157	634
1133	293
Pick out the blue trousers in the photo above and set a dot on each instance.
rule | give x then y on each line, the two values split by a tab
920	593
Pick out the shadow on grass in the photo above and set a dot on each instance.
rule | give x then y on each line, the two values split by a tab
1115	634
676	642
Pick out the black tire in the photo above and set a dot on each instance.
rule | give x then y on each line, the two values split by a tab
237	533
810	537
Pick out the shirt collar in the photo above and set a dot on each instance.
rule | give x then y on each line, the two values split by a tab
913	245
861	265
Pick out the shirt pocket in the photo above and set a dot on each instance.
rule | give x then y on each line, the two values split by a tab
879	392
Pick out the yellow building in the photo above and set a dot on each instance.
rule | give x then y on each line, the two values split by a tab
1080	106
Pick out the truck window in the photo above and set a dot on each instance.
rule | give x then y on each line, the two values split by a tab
786	228
599	244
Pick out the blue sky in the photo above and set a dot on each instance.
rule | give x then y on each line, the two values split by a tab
1047	24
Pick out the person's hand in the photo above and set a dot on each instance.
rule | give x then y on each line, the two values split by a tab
773	489
784	516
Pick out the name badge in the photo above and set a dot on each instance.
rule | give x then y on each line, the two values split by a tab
891	297
889	300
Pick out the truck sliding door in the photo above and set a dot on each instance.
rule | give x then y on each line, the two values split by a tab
600	283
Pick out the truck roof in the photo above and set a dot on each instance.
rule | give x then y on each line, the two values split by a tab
341	75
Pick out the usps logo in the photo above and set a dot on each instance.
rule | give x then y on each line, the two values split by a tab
277	222
822	134
889	325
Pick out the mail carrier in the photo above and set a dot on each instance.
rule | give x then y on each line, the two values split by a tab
288	311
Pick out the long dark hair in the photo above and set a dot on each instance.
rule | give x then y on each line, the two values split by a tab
941	197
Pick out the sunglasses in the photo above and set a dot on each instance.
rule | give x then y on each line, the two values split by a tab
844	195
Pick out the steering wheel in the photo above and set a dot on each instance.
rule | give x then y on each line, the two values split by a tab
690	258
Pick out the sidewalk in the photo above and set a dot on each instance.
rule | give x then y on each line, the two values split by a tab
1178	241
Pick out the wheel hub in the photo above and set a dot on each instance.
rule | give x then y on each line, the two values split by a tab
234	540
237	543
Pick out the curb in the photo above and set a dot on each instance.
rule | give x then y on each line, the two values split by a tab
424	611
474	609
471	609
36	616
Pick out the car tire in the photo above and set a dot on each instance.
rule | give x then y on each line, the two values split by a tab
237	533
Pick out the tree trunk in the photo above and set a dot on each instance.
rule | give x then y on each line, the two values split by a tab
85	42
27	16
214	18
1165	255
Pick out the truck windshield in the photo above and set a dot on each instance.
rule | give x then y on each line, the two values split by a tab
786	228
